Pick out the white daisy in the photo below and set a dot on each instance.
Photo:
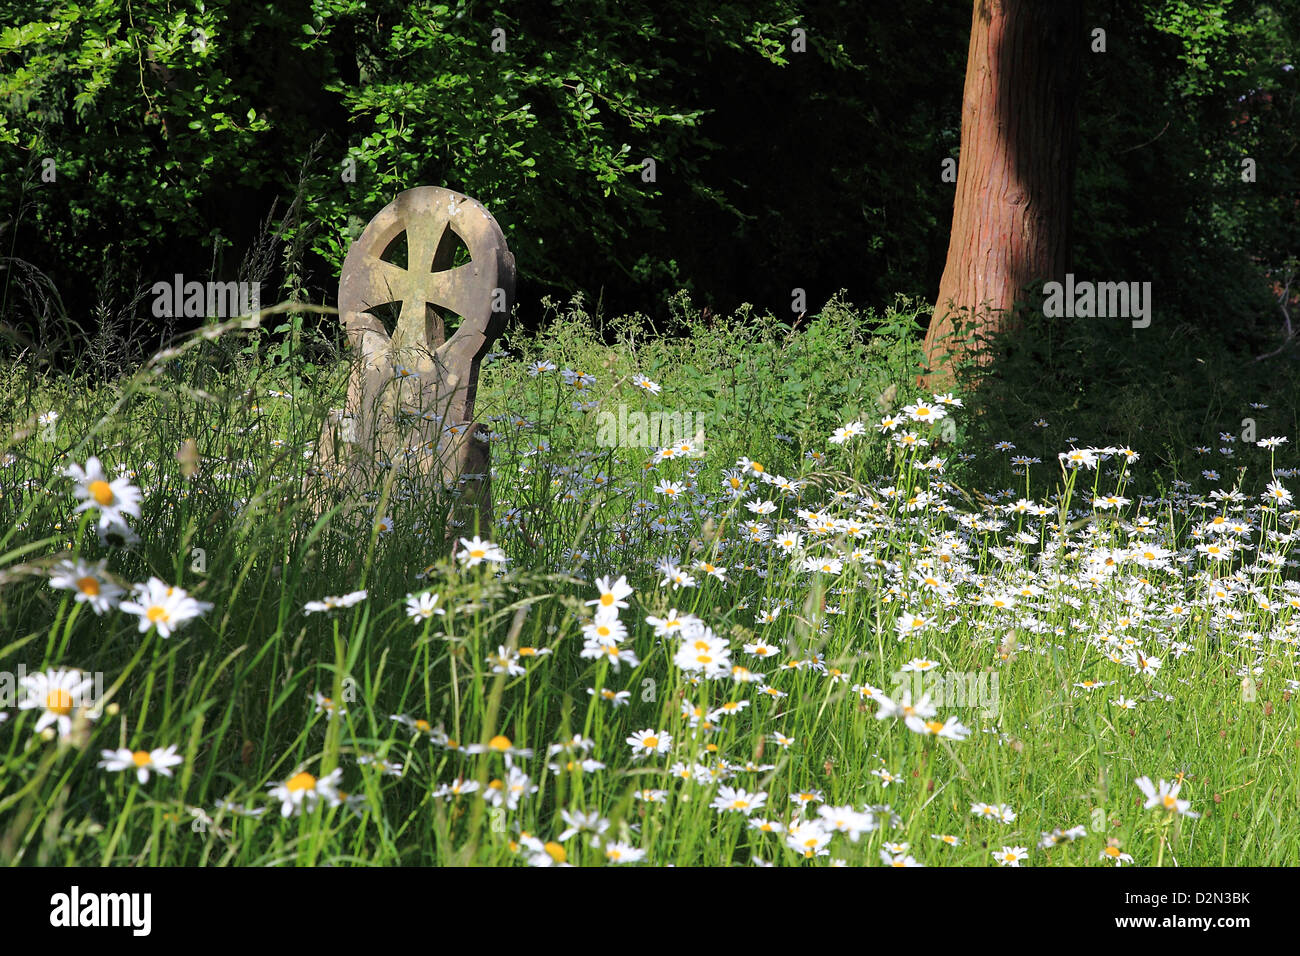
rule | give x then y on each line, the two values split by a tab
142	761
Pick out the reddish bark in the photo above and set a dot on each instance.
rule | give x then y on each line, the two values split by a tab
1019	132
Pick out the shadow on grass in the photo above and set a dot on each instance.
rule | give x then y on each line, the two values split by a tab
1165	391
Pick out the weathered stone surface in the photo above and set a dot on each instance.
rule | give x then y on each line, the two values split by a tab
411	395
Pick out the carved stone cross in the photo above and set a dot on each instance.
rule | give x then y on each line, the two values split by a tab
411	395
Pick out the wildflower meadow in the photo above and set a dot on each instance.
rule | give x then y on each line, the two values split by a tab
799	635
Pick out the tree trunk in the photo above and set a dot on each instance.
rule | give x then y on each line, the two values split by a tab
1019	133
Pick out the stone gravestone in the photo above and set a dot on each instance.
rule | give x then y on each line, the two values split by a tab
410	400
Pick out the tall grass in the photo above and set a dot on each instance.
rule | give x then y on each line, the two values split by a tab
486	729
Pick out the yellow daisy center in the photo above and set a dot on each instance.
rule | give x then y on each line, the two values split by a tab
101	492
88	585
58	701
140	758
300	781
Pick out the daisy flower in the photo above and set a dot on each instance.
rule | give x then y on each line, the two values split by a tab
458	787
809	838
545	854
333	603
910	624
57	693
477	551
499	744
163	606
621	698
113	499
669	488
505	661
516	787
904	707
90	582
1078	458
421	607
706	653
418	724
302	791
846	820
1010	855
950	728
651	741
1277	493
578	822
987	811
640	381
612	593
1112	854
1165	795
388	768
900	860
142	761
738	801
620	852
1059	836
606	630
325	705
846	432
923	412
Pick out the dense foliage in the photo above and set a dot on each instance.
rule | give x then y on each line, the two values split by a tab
240	140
